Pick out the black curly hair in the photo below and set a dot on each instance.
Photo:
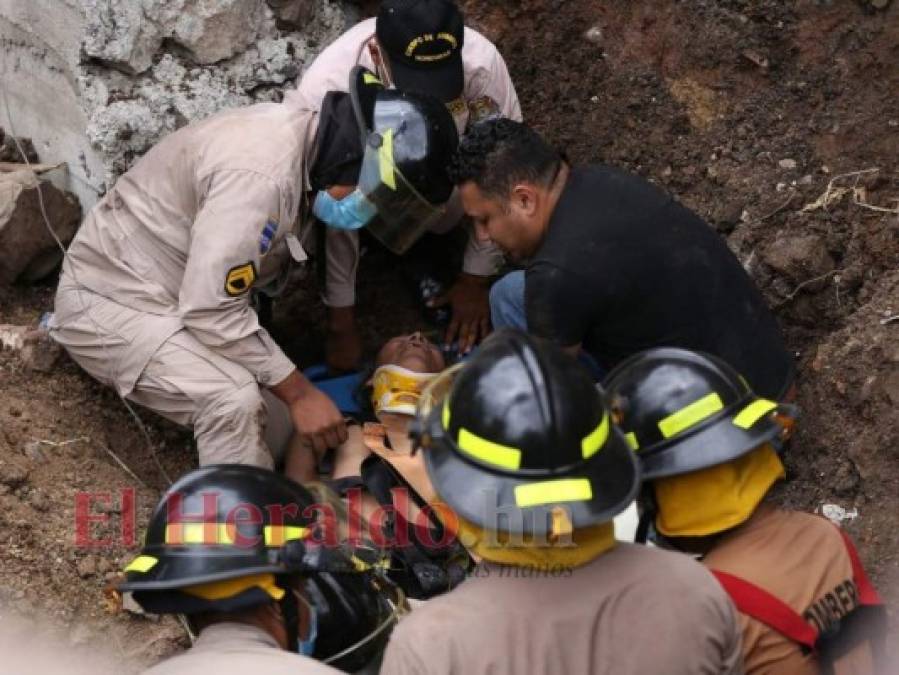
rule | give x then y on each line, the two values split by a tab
498	154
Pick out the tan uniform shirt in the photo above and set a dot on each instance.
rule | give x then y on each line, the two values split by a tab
800	559
486	77
201	217
226	648
633	610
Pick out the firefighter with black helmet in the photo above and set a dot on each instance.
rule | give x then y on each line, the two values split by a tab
245	555
522	450
707	445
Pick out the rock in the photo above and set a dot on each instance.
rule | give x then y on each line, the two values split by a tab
806	180
292	14
788	164
729	218
9	149
12	474
36	348
39	501
215	30
159	64
120	34
594	35
87	567
40	352
34	451
890	387
29	250
799	258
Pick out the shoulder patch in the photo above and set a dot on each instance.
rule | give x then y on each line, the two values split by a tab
267	237
483	108
239	279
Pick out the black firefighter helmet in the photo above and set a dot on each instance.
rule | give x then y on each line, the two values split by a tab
682	411
407	140
239	523
521	432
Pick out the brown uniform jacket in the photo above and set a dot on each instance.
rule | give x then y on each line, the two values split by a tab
486	77
201	217
632	611
801	560
238	649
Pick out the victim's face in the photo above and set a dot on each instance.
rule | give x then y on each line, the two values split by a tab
413	352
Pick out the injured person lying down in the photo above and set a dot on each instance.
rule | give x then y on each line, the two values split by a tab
385	484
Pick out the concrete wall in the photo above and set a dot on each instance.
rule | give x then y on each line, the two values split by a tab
95	83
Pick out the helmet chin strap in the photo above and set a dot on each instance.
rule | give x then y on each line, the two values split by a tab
290	613
398	609
650	509
382	69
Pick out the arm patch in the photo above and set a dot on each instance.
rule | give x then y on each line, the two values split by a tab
240	279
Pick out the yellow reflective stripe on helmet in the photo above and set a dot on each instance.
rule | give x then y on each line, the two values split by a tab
200	533
142	563
368	78
489	452
690	415
551	491
631	439
753	412
445	417
385	160
278	535
596	438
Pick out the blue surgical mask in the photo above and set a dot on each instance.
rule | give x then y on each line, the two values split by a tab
306	646
350	213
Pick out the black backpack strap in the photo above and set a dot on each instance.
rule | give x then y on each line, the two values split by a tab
422	570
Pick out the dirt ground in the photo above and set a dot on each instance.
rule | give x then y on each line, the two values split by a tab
777	121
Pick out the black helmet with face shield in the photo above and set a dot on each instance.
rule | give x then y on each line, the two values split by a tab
407	140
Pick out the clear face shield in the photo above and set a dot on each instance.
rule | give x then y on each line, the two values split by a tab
404	215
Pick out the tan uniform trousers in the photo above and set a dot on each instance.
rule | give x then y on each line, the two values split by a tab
152	361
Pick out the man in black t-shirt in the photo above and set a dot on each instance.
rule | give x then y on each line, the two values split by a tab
612	264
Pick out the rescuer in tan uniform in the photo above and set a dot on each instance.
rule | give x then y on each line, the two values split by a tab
524	453
705	444
418	45
154	297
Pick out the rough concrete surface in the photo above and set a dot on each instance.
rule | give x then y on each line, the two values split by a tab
96	82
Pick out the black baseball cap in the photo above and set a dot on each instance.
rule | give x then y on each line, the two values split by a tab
423	41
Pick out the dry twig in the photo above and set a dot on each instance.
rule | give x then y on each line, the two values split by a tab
807	282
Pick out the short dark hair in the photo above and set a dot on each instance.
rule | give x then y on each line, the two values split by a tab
497	154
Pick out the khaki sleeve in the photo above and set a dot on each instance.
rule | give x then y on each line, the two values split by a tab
223	263
342	260
493	80
482	259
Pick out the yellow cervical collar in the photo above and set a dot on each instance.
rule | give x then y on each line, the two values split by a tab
397	389
718	498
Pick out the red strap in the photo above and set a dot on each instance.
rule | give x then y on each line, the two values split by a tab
771	611
867	595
